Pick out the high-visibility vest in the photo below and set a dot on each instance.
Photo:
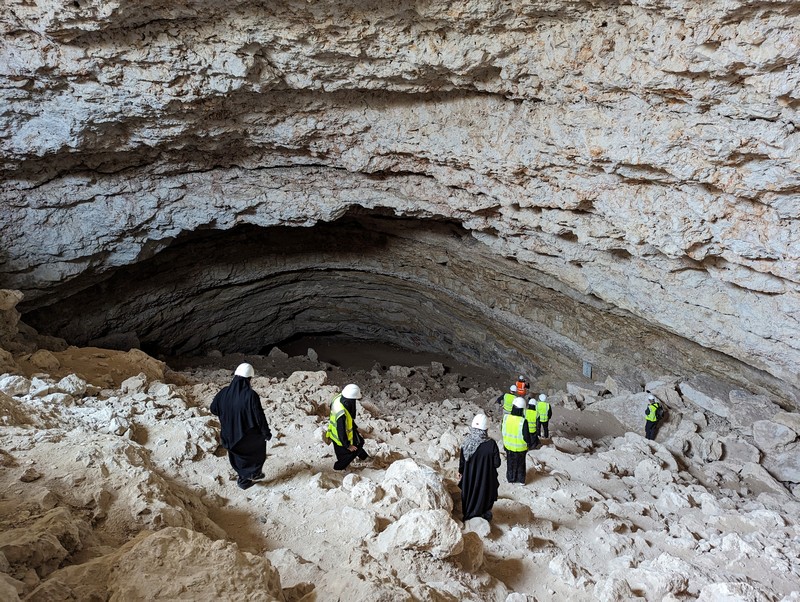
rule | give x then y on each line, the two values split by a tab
337	409
522	388
530	416
508	402
513	438
543	411
651	412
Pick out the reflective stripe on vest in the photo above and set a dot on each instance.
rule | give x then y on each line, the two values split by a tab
513	439
508	402
337	409
530	416
651	412
543	411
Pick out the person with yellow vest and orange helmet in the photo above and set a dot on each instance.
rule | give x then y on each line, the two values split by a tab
348	444
517	440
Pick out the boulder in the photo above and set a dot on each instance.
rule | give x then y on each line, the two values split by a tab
45	360
134	384
789	419
769	436
708	394
471	557
72	385
418	485
748	408
171	564
731	592
13	384
784	465
586	391
432	531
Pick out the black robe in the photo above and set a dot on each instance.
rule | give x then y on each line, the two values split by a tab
244	427
479	482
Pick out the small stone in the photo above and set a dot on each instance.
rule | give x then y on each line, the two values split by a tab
72	385
30	475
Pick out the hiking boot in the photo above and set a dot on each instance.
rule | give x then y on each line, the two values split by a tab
260	476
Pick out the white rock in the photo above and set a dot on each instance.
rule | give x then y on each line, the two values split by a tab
432	531
276	354
420	486
769	436
366	492
58	399
41	387
72	385
731	592
312	355
134	384
13	384
708	396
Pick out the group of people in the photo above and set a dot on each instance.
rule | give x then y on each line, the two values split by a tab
244	433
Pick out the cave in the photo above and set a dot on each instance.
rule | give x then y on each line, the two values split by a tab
600	196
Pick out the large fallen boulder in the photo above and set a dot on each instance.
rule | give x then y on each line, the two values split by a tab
172	564
410	485
432	531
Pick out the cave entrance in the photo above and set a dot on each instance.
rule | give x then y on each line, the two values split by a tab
402	287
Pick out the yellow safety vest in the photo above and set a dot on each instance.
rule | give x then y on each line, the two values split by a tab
651	412
337	409
530	416
543	411
513	439
508	402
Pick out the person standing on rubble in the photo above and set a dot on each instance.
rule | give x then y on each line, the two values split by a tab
543	415
478	461
348	444
517	441
652	415
507	400
244	431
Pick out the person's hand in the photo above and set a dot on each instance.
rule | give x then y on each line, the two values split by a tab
459	476
352	448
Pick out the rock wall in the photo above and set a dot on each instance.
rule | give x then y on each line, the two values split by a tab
643	154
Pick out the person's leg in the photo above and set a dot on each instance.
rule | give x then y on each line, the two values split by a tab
546	428
509	466
343	457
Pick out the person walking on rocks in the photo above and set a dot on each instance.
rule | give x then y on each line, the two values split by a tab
652	415
478	462
244	430
507	400
348	444
543	415
516	440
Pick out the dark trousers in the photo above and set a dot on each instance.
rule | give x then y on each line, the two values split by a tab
515	466
650	428
543	428
345	456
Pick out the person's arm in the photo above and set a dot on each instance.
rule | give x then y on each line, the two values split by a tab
496	454
260	417
215	404
527	435
549	412
460	463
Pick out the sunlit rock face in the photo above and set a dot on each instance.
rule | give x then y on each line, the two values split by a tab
639	161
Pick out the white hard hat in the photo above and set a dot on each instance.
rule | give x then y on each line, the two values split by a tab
519	402
521	377
245	370
650	398
480	422
542	397
513	388
351	392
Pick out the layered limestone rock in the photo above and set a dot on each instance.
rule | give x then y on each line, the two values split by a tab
637	160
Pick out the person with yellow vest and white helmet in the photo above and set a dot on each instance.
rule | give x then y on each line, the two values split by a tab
507	400
652	415
348	444
543	415
517	440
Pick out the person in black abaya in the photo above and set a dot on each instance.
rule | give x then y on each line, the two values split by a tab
477	471
244	427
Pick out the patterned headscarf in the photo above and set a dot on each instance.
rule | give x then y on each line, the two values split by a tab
471	442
